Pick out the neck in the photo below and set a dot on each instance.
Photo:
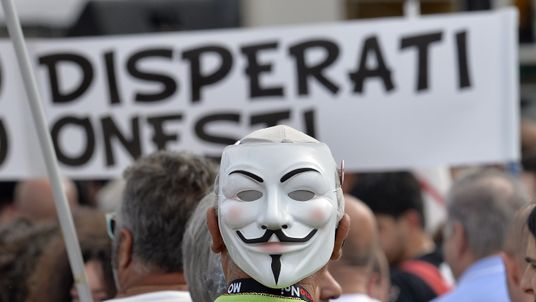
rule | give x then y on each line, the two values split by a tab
353	280
355	285
137	284
420	245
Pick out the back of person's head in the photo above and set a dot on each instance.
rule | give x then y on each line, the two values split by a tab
390	193
96	248
484	203
21	244
280	215
354	268
34	198
161	192
202	267
397	203
514	258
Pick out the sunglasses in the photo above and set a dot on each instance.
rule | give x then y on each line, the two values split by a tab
110	225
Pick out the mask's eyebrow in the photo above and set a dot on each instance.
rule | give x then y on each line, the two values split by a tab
296	171
248	174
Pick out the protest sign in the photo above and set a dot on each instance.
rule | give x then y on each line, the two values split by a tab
384	94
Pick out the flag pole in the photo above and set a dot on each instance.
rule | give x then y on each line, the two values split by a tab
49	155
412	8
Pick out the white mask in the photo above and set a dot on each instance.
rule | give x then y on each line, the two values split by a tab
278	208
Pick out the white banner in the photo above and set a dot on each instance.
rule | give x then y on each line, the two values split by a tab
384	94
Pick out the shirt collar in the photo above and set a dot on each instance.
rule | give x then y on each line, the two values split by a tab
483	267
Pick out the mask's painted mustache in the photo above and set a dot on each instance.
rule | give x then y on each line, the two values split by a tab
280	235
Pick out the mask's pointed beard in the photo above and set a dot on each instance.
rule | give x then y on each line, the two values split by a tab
276	266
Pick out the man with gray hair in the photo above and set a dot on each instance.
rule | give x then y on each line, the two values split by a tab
162	190
480	207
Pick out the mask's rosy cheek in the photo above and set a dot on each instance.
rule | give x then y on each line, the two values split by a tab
315	213
237	214
318	215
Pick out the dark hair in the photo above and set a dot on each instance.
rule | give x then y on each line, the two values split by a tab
7	193
531	222
390	193
94	244
21	244
162	190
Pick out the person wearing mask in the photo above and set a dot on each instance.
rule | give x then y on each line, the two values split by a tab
280	217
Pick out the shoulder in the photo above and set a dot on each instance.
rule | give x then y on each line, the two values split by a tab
406	286
486	293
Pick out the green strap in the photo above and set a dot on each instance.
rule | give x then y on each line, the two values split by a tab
254	298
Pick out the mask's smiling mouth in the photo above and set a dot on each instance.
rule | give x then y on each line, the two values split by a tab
276	242
280	235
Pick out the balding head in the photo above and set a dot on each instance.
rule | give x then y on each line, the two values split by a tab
34	198
355	266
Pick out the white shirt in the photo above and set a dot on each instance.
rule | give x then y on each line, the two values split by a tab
162	296
354	298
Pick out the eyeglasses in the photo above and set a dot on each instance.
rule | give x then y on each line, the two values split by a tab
110	225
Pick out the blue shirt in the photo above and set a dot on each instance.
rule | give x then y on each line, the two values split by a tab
485	280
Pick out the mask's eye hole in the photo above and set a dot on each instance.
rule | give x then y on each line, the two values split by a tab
249	195
301	195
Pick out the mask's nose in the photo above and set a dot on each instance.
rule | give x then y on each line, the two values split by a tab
275	215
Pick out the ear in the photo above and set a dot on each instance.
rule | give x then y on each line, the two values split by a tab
124	253
214	229
413	219
459	238
340	236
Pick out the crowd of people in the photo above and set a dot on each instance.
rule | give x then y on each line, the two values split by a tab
273	220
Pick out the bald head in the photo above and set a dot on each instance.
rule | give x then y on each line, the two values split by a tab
358	250
34	198
355	266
